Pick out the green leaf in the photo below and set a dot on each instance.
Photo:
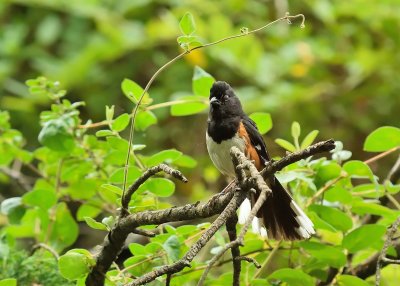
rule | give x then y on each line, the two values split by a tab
110	113
348	280
363	237
369	191
117	143
133	92
333	216
309	139
187	42
363	208
187	24
165	156
55	135
332	256
328	171
120	122
87	210
285	144
160	187
8	282
382	139
172	247
186	230
112	188
137	249
104	133
185	161
65	229
153	247
338	194
118	176
263	121
201	82
294	277
193	105
43	198
144	119
73	265
358	169
296	130
94	224
319	223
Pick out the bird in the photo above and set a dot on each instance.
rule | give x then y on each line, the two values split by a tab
228	125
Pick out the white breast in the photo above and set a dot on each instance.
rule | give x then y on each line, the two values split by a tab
220	153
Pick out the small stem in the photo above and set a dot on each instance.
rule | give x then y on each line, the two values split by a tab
268	261
393	200
46	247
381	155
135	109
174	102
324	189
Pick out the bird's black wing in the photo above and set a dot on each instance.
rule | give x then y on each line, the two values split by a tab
256	139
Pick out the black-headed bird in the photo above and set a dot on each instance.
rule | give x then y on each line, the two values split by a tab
279	217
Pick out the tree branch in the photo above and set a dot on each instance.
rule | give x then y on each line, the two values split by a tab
231	229
218	204
263	189
126	198
382	257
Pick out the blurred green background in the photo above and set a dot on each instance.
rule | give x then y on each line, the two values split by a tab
339	75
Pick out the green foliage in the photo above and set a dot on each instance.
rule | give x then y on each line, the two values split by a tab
293	277
75	264
382	139
21	268
328	77
188	28
296	146
75	165
263	121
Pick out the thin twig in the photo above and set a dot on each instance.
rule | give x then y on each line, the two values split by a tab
126	197
268	261
136	108
195	248
324	189
381	155
244	256
392	230
263	190
46	247
249	259
115	240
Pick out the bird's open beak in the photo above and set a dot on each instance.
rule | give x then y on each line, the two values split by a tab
214	101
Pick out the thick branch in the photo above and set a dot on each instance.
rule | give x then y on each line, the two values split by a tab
231	229
368	267
114	241
229	211
312	150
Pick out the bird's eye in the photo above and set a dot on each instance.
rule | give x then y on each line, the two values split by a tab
225	97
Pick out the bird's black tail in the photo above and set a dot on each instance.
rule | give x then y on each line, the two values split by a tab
282	217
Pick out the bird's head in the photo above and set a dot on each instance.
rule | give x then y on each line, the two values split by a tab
223	101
